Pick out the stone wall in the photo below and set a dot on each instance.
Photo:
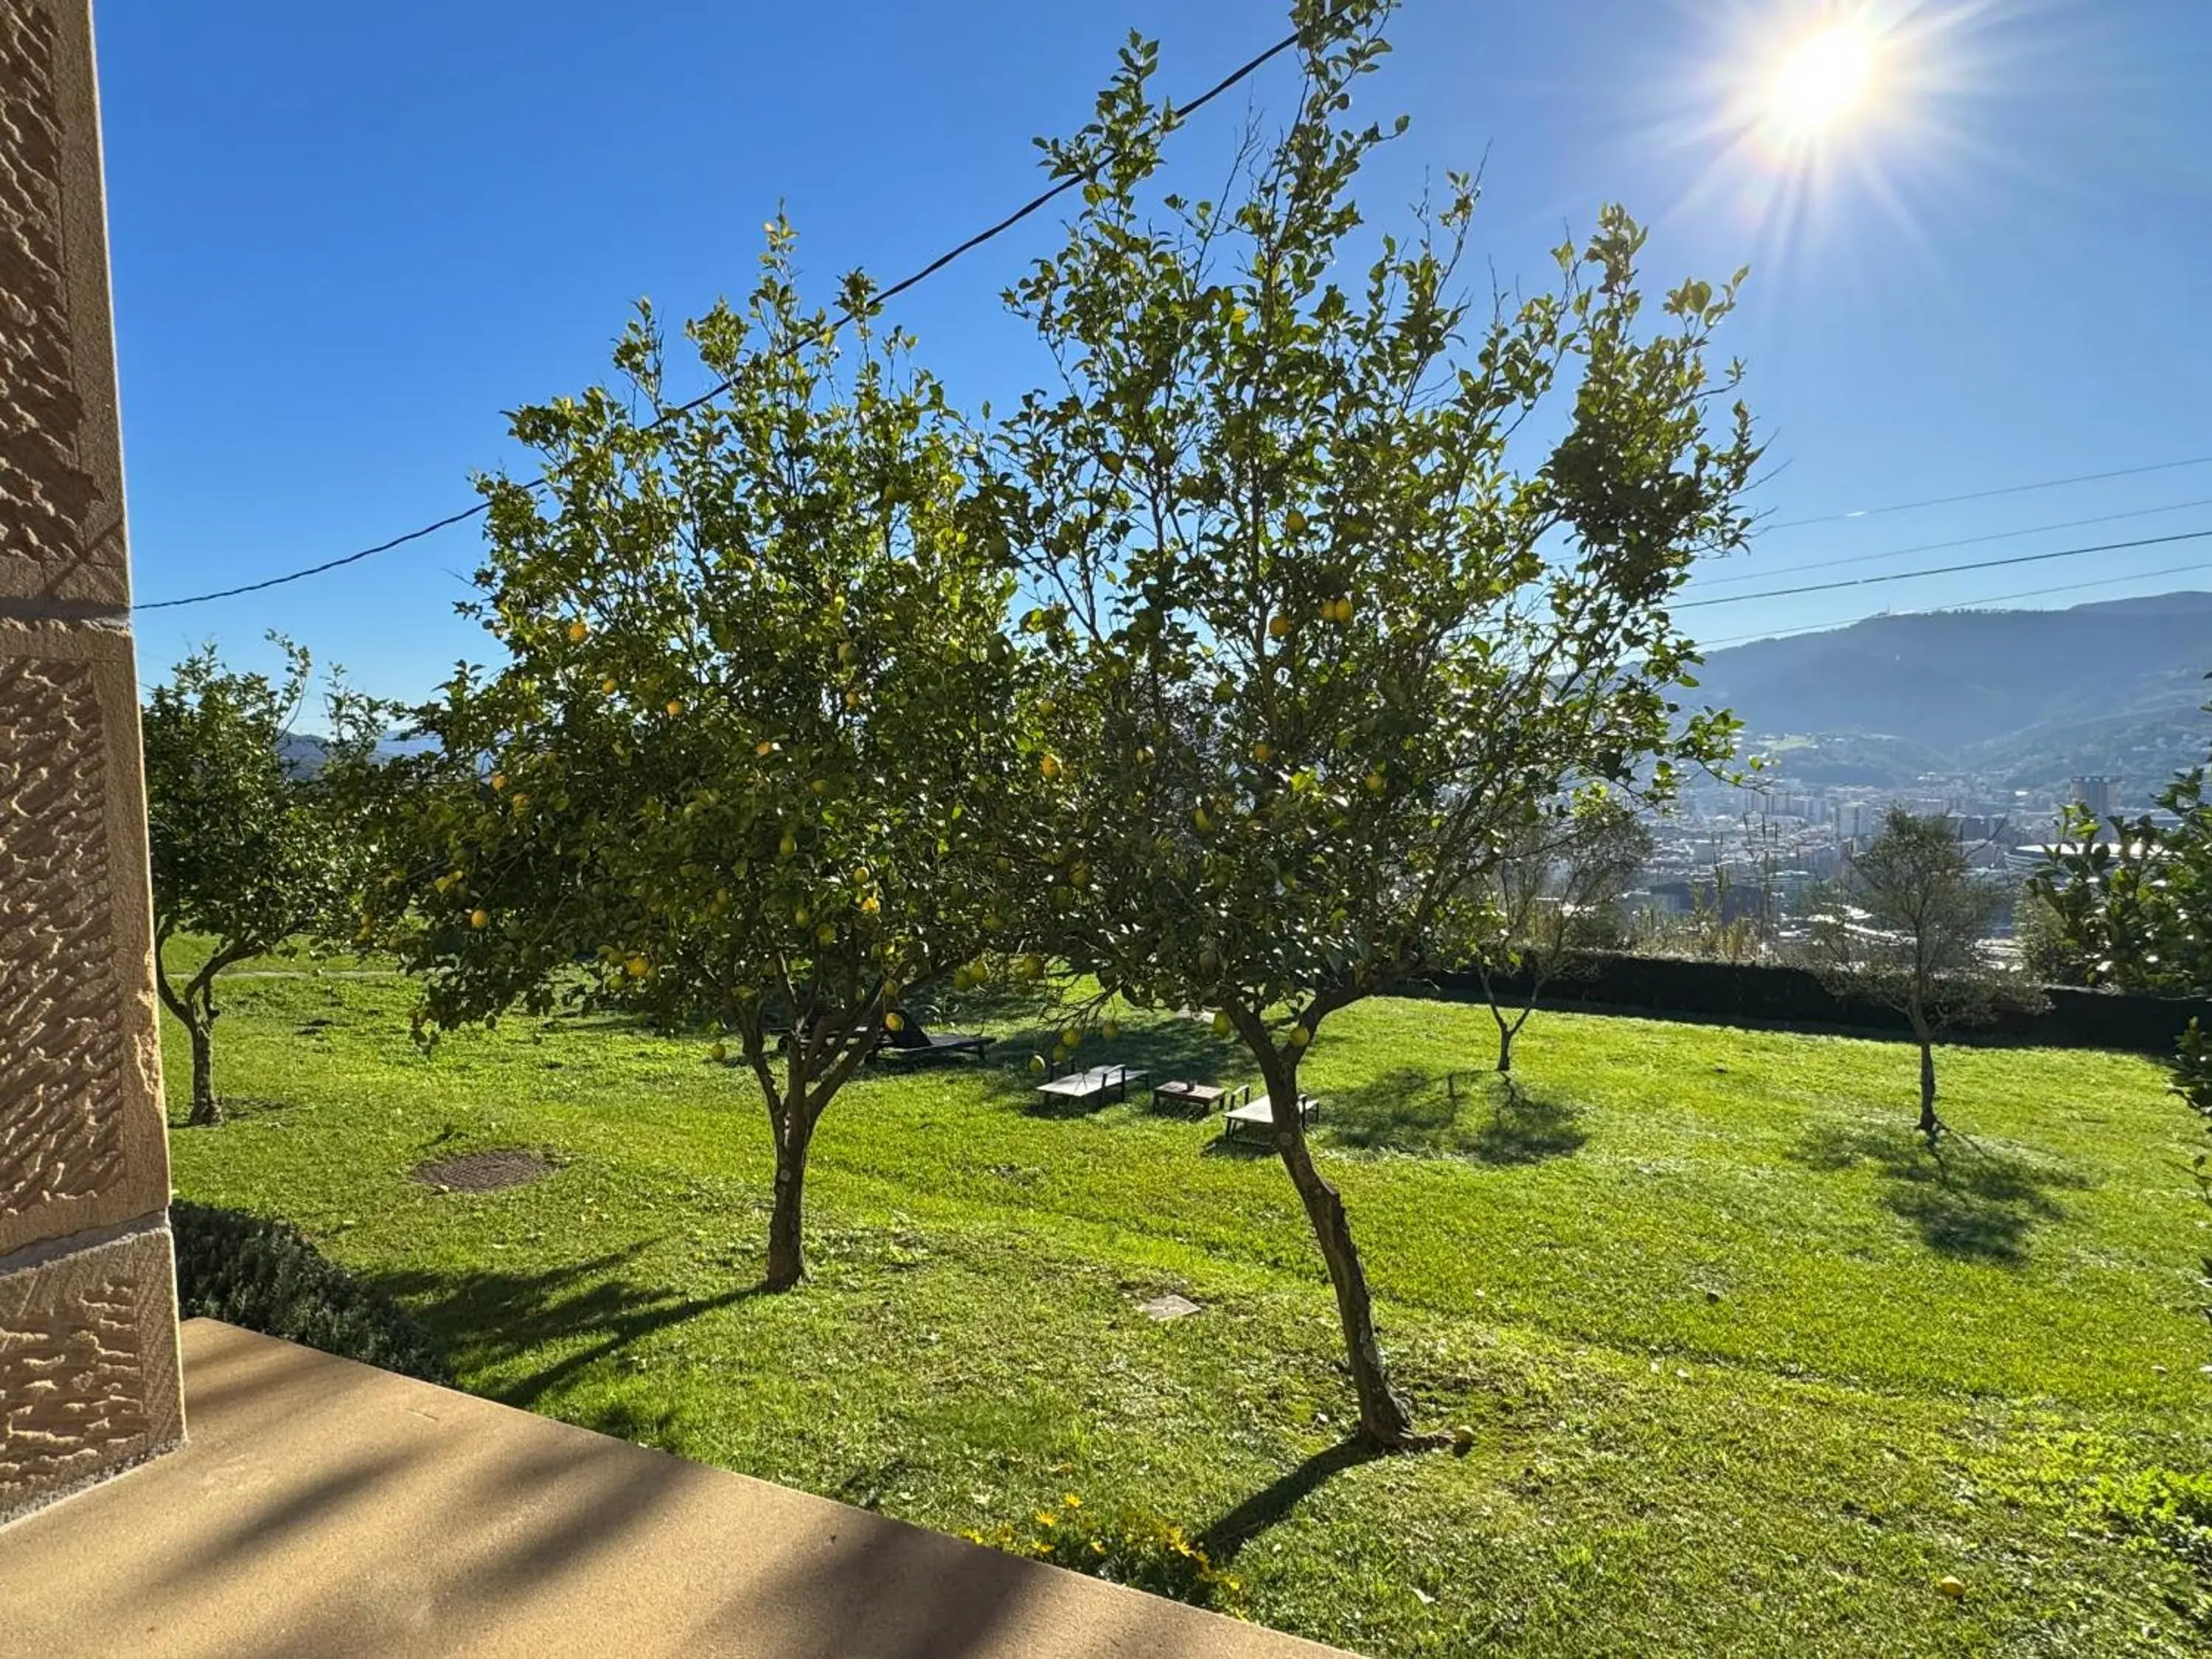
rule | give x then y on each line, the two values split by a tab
87	1300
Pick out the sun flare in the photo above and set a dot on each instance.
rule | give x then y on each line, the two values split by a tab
1822	80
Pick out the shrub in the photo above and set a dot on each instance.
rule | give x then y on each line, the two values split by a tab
1140	1551
266	1277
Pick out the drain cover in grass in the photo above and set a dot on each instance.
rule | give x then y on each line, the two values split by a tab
1168	1307
482	1172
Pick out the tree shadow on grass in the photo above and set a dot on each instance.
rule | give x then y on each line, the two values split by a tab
1970	1202
584	1312
1482	1115
1228	1533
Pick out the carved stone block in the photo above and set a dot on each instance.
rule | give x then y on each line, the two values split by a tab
88	1367
61	463
81	1142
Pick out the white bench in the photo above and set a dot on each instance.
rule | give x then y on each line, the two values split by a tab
1083	1087
1258	1117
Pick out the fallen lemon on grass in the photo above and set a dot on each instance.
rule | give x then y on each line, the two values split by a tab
719	1053
1954	1588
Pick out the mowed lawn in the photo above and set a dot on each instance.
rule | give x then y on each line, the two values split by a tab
1747	1370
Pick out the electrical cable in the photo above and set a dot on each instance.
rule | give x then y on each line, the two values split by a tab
1034	205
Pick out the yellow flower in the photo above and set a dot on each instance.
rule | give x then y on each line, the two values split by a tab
1073	1501
1046	1518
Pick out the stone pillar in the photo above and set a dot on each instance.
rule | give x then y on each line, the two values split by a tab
88	1293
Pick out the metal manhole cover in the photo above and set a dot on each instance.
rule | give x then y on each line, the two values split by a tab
484	1172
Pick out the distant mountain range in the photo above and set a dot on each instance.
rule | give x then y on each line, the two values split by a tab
2029	698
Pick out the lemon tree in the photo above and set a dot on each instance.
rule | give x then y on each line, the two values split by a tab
747	758
251	846
1335	574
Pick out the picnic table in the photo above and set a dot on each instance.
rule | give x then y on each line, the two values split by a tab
1203	1096
1260	1115
1083	1087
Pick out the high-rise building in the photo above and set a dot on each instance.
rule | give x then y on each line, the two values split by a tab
2095	794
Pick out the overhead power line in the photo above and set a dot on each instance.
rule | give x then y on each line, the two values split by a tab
842	316
1961	541
1943	570
1967	604
1986	495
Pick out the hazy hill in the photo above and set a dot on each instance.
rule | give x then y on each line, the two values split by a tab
2037	695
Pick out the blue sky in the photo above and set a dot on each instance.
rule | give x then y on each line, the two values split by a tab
346	237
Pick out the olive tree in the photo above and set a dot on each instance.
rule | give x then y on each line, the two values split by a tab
1317	630
1906	926
758	720
1548	897
252	839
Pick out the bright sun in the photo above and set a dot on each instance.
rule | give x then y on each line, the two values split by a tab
1822	79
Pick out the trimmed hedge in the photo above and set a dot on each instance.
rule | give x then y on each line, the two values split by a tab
1758	993
266	1277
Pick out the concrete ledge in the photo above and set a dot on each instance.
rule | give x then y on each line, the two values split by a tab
323	1507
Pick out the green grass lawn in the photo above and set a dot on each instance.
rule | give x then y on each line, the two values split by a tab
1747	1370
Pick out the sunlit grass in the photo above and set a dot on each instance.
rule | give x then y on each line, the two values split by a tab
1746	1371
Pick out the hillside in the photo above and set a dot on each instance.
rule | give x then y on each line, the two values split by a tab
2114	687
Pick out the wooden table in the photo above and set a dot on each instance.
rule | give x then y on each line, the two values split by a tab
1203	1096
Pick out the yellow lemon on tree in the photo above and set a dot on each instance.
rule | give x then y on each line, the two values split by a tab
1037	1064
895	1021
819	786
788	845
1032	967
1070	1037
1261	753
1111	1029
853	698
861	875
1300	1036
577	630
1220	1023
479	918
1203	822
764	748
675	707
1049	765
1278	625
1376	783
636	967
499	780
607	683
871	905
518	801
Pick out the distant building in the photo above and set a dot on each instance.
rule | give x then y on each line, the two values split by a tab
2095	794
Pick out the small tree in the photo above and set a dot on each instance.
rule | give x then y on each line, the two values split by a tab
1315	638
1549	899
760	719
1906	926
251	846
